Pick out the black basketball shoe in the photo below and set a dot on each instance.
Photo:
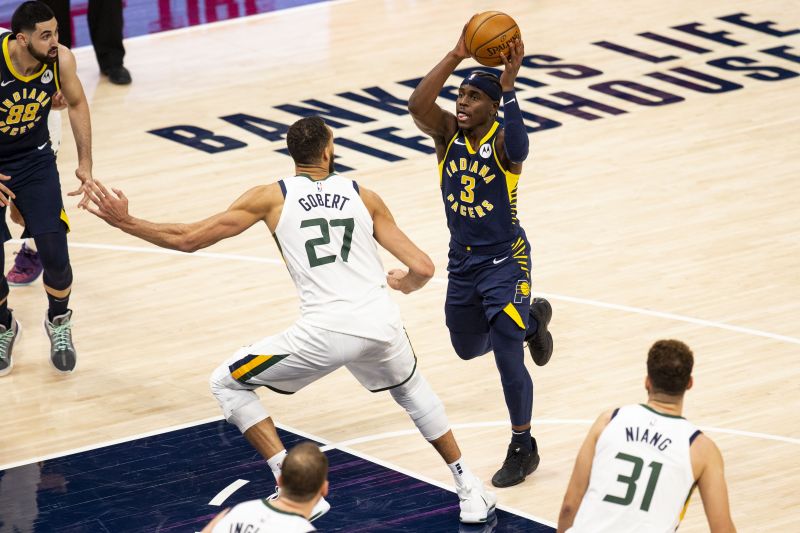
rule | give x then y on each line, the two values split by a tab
540	344
518	464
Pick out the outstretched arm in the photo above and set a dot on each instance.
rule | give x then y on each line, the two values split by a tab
427	114
711	482
579	481
391	237
79	118
253	206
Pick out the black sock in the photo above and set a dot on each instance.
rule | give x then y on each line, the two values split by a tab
57	306
522	438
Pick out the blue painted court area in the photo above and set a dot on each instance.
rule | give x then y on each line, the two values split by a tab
153	16
165	482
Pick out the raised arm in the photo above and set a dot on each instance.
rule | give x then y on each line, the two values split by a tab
391	237
429	117
512	143
707	459
79	118
255	205
579	481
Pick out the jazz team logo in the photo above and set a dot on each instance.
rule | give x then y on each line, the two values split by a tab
522	291
21	111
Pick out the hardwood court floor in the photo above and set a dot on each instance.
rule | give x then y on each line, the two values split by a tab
688	209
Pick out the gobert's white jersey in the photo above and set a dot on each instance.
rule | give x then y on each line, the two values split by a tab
260	515
325	234
641	476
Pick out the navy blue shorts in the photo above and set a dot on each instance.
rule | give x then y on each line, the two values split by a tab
480	286
36	185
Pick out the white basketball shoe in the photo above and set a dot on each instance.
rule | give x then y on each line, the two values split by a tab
476	503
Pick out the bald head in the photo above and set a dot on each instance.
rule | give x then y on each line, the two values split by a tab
304	472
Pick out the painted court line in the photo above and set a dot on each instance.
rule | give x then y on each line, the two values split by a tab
559	297
225	493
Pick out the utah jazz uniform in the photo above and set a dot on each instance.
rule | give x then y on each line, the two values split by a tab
325	234
26	154
489	259
641	474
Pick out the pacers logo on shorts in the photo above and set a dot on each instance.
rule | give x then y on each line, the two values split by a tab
522	291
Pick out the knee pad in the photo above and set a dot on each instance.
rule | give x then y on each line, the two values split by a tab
240	405
54	254
423	406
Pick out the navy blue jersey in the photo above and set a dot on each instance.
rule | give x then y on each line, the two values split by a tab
25	102
480	196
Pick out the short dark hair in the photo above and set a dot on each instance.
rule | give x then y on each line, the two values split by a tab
303	472
28	15
669	367
307	139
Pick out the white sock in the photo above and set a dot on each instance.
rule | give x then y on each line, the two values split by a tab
30	244
462	475
275	462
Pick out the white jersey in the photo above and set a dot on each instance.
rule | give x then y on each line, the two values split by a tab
326	237
260	516
641	476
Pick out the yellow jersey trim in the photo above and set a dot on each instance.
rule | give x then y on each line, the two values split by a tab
55	76
65	219
244	369
444	158
511	311
485	138
11	68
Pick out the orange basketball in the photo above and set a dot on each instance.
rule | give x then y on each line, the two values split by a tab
488	35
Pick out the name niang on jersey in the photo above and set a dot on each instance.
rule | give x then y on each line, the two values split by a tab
656	439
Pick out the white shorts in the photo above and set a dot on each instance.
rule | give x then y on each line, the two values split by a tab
302	354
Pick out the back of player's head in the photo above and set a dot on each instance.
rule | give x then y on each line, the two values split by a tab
28	15
669	367
304	471
307	139
485	81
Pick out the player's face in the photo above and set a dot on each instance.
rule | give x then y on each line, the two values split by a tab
43	42
474	107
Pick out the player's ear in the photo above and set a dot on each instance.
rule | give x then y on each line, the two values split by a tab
324	489
647	385
690	384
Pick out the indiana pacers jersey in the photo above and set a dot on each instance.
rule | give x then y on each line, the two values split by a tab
260	515
325	234
480	196
641	476
24	106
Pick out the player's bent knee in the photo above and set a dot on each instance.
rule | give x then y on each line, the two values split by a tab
240	406
469	345
423	406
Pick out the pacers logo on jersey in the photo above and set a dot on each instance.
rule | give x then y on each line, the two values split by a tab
20	112
522	291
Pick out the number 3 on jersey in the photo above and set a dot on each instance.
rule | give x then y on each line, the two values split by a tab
325	238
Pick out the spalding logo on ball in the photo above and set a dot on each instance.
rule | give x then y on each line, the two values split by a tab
488	35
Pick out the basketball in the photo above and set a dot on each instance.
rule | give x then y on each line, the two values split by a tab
487	36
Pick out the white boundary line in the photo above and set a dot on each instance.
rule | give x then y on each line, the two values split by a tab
225	493
554	296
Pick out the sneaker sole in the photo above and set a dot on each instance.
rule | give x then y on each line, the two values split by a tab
531	470
21	284
477	518
543	358
8	370
58	370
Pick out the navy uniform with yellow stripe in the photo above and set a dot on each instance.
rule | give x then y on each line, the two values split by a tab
26	154
489	260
